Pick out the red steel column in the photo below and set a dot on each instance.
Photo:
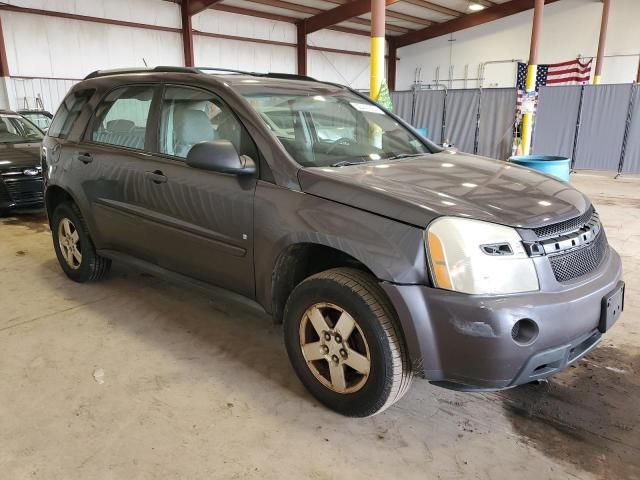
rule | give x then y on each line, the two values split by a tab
601	42
391	64
4	66
301	47
187	34
532	72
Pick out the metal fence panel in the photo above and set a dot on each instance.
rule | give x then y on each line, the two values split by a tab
403	105
632	152
428	113
604	114
497	116
555	128
462	110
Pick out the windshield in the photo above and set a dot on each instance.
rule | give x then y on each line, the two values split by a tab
41	120
334	130
16	129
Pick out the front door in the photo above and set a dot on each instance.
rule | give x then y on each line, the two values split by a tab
200	223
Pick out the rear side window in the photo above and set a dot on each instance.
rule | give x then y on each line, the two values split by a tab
121	117
68	112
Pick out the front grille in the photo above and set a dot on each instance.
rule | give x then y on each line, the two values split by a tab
25	190
4	193
567	226
581	261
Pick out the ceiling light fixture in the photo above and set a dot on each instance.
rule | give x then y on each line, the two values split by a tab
475	7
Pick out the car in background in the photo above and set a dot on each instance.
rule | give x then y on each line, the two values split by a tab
41	118
21	184
384	255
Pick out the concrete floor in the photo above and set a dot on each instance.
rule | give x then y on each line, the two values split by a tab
134	378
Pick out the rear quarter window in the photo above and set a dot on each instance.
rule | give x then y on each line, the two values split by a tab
68	112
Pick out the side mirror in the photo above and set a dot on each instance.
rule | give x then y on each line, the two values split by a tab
220	156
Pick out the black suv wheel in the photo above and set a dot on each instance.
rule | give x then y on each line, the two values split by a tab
344	344
75	251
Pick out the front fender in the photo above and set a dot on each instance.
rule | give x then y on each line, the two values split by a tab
393	251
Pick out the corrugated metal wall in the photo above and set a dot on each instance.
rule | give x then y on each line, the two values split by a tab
41	47
23	93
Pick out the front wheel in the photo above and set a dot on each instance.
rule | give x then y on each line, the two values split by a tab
344	343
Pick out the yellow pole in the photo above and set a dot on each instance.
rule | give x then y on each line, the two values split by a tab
377	47
377	66
532	70
527	118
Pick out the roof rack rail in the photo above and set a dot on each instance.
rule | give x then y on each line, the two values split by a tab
171	69
285	76
122	71
289	76
224	70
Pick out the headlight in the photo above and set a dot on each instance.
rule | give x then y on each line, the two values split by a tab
472	256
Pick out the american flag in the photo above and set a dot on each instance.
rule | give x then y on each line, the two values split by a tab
573	72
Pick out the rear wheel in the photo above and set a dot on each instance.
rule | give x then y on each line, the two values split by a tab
343	341
75	250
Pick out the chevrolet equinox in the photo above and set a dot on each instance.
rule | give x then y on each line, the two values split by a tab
384	255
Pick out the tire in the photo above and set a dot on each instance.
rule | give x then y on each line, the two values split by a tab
88	266
316	349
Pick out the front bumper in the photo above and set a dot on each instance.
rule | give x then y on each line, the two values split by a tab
464	341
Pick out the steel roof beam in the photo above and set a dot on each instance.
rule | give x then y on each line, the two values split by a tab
466	21
295	7
344	13
434	7
197	6
392	14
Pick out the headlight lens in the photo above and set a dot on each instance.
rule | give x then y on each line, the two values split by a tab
476	257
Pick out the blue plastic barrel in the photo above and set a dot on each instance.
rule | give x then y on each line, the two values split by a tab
550	164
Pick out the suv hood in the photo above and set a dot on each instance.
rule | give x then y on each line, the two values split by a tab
17	155
416	190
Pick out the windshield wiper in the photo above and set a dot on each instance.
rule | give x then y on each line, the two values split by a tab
345	163
404	155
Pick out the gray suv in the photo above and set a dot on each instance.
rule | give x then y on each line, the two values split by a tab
384	256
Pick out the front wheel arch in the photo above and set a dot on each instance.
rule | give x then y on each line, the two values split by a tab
301	260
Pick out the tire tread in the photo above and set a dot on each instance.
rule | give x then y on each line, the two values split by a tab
367	288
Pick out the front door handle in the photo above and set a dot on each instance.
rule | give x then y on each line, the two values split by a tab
156	177
84	157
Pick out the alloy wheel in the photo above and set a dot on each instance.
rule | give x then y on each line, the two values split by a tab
335	348
69	242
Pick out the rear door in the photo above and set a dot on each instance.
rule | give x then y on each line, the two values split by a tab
199	223
112	162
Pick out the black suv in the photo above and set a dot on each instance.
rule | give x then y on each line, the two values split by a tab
384	255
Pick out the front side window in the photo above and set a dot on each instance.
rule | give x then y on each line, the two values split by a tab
121	117
67	113
191	116
16	129
334	129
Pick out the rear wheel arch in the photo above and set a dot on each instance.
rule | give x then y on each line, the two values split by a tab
55	195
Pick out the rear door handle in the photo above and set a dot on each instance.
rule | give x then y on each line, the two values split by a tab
156	176
84	157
